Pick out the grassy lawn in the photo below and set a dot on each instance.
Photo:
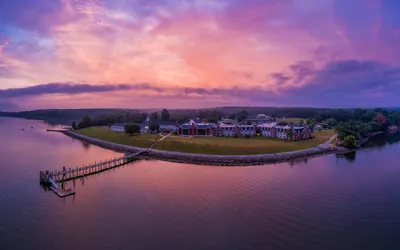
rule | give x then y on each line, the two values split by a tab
103	133
210	145
294	120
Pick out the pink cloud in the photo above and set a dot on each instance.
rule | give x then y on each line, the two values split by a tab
208	48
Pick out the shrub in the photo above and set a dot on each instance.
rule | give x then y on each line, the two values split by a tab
350	141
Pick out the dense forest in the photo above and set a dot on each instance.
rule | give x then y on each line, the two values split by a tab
364	122
64	116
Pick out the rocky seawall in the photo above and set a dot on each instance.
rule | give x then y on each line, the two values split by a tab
215	160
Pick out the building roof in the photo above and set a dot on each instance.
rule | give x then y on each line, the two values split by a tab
119	125
166	123
199	125
268	125
142	125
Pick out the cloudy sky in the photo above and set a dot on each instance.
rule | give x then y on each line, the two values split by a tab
198	53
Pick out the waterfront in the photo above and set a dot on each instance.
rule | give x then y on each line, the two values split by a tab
330	202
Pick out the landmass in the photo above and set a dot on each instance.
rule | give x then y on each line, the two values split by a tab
209	144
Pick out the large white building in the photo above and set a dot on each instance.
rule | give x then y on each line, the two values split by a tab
232	130
268	130
120	128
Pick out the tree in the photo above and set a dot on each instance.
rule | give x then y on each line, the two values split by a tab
165	115
132	129
369	115
74	126
282	123
311	121
86	122
301	122
331	122
216	115
350	141
375	126
381	118
154	116
154	127
394	118
232	117
242	115
318	118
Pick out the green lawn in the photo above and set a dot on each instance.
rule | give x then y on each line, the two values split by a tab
209	145
103	133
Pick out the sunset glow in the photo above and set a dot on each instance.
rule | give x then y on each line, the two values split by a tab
198	53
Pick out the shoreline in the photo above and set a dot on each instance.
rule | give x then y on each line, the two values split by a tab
216	160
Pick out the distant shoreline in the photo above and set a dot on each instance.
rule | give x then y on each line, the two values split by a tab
216	160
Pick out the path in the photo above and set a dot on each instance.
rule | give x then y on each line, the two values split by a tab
159	140
328	142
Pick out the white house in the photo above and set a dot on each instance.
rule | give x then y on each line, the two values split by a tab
247	130
232	130
267	129
168	126
118	127
281	131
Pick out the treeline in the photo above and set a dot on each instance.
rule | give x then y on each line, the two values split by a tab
130	117
64	116
108	120
364	122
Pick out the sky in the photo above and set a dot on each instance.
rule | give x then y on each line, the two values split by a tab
199	53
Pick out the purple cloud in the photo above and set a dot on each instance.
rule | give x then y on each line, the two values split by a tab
29	15
71	88
349	82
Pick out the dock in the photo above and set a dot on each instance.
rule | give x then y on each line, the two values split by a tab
63	193
53	178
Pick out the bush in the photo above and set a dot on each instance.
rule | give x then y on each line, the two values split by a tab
247	136
154	127
350	141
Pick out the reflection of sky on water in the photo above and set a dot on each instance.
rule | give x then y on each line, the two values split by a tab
162	205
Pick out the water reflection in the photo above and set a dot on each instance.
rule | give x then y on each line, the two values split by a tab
86	145
317	204
349	156
383	140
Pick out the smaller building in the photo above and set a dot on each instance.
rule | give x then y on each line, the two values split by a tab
282	132
120	127
267	129
168	126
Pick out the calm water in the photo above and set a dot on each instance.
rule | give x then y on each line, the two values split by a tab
332	202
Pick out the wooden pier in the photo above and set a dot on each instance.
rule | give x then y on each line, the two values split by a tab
79	172
52	178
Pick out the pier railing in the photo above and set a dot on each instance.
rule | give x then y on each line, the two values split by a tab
83	171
